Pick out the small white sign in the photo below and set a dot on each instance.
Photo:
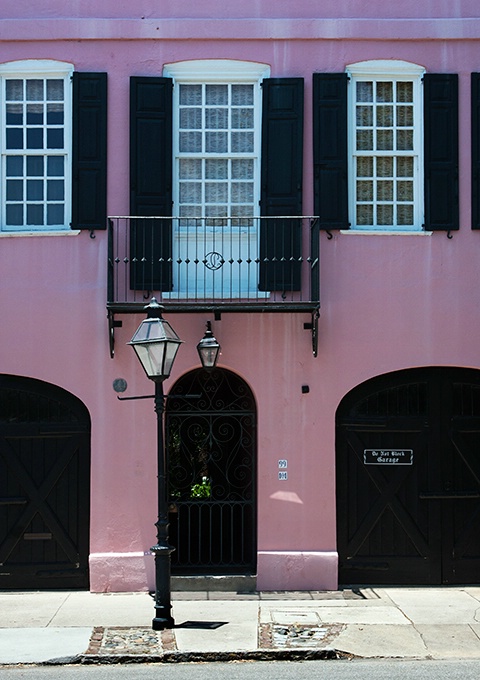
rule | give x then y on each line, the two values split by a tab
282	464
283	476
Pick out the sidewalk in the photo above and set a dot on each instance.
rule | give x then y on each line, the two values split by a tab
83	627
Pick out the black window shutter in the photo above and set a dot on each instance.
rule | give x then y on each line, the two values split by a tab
151	182
441	151
89	151
281	184
330	150
475	87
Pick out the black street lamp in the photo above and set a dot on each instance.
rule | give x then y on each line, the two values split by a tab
208	349
156	345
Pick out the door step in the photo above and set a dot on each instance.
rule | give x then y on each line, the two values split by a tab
220	584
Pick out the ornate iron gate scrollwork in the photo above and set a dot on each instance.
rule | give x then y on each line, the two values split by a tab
211	441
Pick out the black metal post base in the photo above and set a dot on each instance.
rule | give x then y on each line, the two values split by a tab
162	620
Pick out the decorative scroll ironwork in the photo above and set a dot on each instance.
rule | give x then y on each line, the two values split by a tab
210	422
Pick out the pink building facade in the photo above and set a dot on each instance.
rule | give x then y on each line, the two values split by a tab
337	439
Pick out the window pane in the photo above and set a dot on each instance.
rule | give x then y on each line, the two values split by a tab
365	140
364	116
190	168
55	166
242	192
404	190
216	168
14	190
216	142
34	138
55	190
190	95
385	191
14	215
385	140
34	214
242	95
385	214
404	116
364	167
55	138
55	90
14	90
191	119
384	92
364	92
405	140
364	215
14	166
34	166
35	190
190	142
364	191
242	142
216	119
385	116
242	168
55	114
35	114
404	166
242	119
216	192
190	192
14	114
384	166
14	138
216	95
405	92
405	215
55	214
34	90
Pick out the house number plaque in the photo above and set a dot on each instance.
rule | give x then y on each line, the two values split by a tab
388	457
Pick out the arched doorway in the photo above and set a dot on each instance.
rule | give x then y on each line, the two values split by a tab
408	478
44	486
211	449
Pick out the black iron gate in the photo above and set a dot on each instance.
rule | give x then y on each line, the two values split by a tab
211	442
408	478
44	486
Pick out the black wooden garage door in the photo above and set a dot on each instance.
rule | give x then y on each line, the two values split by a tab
44	486
408	479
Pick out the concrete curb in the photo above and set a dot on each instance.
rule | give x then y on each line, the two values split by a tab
194	657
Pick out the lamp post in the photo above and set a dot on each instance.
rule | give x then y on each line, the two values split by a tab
208	349
156	345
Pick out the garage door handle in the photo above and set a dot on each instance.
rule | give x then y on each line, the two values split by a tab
431	495
13	501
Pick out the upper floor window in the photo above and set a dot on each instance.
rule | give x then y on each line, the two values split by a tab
216	143
386	142
35	145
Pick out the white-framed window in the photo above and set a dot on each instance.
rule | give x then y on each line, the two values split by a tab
386	146
35	141
217	117
216	137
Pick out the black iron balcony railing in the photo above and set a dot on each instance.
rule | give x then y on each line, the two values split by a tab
229	262
221	264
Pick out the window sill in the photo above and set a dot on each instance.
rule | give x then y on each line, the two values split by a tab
378	232
60	232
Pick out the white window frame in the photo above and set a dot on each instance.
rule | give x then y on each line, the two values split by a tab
31	69
396	71
218	71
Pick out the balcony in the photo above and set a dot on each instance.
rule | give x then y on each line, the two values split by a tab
234	264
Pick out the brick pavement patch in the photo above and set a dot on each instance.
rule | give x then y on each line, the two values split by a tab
130	641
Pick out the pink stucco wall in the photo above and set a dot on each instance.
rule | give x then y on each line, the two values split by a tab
387	302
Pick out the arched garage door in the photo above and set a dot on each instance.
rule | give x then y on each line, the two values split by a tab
408	479
44	486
